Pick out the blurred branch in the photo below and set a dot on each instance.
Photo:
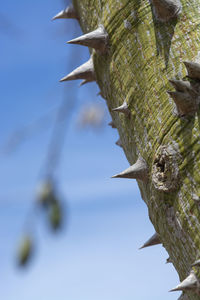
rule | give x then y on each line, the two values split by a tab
59	133
49	200
20	135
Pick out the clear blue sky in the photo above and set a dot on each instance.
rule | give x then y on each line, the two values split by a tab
96	256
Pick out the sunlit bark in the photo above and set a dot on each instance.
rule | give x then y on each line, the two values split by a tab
144	52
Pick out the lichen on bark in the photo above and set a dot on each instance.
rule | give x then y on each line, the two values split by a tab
143	55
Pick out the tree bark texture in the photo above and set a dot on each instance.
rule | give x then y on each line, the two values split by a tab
144	52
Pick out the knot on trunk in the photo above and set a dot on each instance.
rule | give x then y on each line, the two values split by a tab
165	171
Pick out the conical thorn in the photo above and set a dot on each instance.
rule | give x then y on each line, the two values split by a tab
190	283
139	170
67	13
186	104
181	86
112	124
85	72
97	39
123	109
168	260
119	143
193	69
184	87
154	240
166	10
196	263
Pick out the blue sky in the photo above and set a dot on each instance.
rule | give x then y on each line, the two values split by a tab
96	255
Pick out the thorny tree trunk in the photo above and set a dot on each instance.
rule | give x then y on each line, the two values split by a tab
148	45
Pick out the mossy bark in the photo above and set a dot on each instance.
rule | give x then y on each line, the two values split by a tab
143	55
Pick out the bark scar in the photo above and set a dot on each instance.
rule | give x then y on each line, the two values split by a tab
165	171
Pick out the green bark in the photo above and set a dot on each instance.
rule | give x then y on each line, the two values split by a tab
143	55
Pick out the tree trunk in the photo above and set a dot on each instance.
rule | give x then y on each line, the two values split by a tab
148	44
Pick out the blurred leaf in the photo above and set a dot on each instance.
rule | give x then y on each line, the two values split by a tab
46	194
55	216
25	251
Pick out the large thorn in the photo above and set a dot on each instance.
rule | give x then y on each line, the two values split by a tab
97	39
85	71
68	13
190	283
139	170
123	109
193	69
183	86
154	240
186	104
166	10
196	263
